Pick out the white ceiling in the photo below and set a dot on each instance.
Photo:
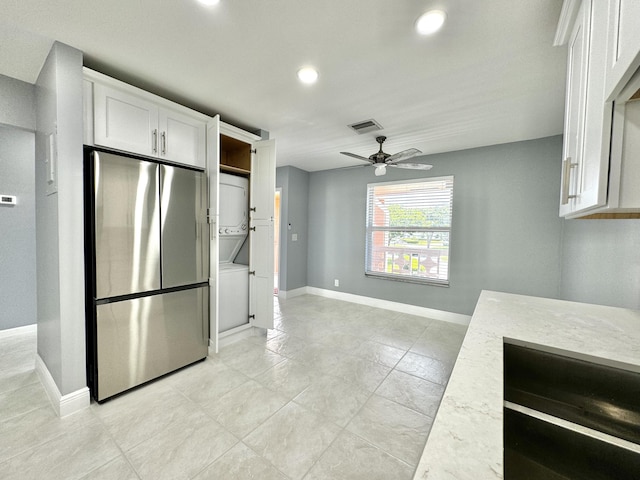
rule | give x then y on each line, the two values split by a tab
490	76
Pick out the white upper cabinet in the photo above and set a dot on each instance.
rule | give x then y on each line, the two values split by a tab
587	117
124	122
623	44
128	119
182	137
601	151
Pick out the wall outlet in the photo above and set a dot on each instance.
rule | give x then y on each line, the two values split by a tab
336	283
294	237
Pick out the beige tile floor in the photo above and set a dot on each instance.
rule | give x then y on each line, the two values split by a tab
335	391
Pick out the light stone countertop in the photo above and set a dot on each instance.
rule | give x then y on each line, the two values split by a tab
466	437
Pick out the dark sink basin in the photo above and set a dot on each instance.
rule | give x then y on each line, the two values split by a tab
597	396
538	450
600	397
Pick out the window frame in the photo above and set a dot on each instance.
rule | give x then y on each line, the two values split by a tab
370	229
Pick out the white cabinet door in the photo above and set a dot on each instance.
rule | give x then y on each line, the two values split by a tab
588	116
124	122
624	44
213	171
578	49
594	168
261	273
182	138
263	179
261	257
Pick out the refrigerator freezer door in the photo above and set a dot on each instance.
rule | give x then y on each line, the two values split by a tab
185	232
127	233
144	338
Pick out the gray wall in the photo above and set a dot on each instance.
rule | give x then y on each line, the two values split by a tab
601	262
17	103
294	210
505	234
18	227
59	220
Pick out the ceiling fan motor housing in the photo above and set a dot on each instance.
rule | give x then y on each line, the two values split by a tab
379	156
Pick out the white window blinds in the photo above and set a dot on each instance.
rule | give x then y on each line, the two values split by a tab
409	230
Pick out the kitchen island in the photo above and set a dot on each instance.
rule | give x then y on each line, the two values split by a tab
466	437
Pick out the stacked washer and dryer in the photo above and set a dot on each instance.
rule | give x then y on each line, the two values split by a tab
233	308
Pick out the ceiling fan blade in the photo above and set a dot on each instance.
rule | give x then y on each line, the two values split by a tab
356	156
414	166
351	166
403	155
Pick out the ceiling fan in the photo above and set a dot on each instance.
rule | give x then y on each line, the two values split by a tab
382	160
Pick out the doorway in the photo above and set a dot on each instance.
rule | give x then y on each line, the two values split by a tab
276	241
18	226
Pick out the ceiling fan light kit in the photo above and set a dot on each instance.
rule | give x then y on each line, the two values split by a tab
382	160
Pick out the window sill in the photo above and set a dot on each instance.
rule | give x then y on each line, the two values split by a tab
408	279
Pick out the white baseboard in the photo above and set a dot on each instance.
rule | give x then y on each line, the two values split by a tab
394	306
296	292
236	335
10	332
63	404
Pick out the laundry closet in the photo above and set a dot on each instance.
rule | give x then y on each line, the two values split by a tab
242	215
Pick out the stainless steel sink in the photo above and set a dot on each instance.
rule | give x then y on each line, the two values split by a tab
549	398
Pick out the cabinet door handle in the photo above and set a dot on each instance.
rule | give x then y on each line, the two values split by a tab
154	143
566	177
163	142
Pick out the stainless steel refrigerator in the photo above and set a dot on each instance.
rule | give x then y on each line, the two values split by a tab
147	253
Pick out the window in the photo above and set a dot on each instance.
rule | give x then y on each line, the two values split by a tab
409	230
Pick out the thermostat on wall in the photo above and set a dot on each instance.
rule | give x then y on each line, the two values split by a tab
7	200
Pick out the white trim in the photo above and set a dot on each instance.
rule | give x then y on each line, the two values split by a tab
394	306
296	292
238	335
10	332
212	349
567	19
237	133
234	330
62	404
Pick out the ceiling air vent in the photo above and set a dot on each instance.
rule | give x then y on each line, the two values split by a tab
365	126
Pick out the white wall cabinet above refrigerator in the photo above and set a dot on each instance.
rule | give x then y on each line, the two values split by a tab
126	118
599	156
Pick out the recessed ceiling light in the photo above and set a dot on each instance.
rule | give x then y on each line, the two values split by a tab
430	22
308	75
209	3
